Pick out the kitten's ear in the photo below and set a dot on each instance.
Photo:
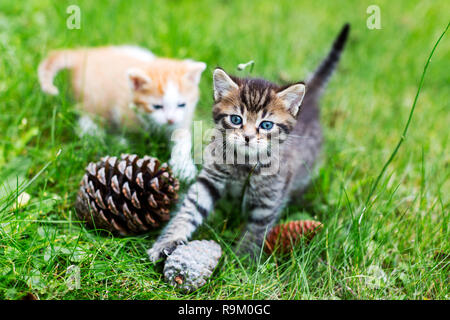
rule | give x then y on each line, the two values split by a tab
223	84
138	79
194	70
292	97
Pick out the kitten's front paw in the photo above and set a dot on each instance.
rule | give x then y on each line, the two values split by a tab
163	249
87	127
183	169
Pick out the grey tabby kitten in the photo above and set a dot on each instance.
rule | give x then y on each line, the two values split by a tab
254	116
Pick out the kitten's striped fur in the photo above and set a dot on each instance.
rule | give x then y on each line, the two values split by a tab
266	194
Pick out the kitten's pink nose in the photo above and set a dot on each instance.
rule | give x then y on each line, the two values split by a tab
248	138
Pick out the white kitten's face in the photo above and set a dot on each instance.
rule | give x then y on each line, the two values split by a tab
167	96
170	108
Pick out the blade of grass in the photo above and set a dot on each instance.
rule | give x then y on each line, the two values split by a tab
405	130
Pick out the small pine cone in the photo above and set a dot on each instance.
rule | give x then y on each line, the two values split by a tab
126	196
284	237
189	266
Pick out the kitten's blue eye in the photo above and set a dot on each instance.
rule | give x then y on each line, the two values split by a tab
266	125
157	106
235	119
181	105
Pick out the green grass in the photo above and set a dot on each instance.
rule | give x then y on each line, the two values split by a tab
399	247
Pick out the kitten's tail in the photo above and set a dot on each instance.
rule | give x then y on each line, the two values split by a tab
50	66
317	82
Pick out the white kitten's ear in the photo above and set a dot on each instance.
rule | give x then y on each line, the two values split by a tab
292	97
194	71
223	84
138	79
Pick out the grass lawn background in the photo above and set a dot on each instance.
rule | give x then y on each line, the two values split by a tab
399	247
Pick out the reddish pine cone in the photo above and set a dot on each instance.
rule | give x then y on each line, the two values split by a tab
126	196
284	237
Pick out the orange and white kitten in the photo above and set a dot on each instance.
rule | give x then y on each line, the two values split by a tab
132	87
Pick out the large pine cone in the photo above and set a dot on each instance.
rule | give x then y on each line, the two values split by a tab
189	266
283	237
126	196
